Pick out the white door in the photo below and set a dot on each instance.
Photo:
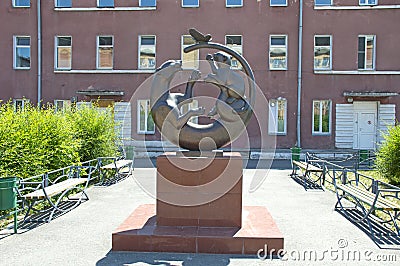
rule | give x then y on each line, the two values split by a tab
365	125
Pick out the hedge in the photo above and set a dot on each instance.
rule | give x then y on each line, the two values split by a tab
95	131
33	140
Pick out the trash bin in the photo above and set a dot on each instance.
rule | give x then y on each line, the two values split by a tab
8	197
363	155
129	150
296	153
8	193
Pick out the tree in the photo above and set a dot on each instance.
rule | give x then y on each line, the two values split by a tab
388	157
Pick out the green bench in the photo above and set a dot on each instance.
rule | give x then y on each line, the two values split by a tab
119	168
369	199
311	174
60	190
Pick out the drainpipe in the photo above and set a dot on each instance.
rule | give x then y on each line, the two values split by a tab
299	73
39	52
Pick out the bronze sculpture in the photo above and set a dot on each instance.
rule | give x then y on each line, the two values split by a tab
231	84
232	106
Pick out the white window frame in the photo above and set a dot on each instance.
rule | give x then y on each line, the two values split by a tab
285	4
56	53
230	5
21	46
57	6
236	48
196	64
23	103
187	5
98	48
66	104
365	52
367	3
316	4
330	52
98	4
140	47
278	46
273	116
17	6
319	132
141	5
146	131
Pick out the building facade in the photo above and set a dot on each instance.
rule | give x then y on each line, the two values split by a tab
337	86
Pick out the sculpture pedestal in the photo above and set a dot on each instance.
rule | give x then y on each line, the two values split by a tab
198	210
199	191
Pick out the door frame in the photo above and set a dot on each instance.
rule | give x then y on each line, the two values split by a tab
364	106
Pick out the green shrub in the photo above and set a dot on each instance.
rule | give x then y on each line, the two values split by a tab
94	130
34	141
388	156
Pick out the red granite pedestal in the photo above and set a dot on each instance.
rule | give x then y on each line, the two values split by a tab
198	210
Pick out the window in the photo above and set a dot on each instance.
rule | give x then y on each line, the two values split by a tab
64	3
105	3
235	42
22	52
277	116
321	123
323	2
61	105
149	3
277	53
278	3
189	106
145	123
21	3
366	52
19	104
322	53
189	60
234	3
368	2
190	3
147	52
63	52
105	52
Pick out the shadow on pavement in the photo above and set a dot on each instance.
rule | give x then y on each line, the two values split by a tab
36	220
107	182
306	183
127	258
383	237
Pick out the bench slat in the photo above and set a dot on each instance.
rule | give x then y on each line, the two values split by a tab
56	188
368	197
307	166
117	164
386	202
